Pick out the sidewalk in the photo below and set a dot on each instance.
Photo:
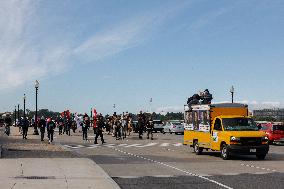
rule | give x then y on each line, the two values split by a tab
31	164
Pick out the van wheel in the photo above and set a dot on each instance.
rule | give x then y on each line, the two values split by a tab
197	150
260	156
225	152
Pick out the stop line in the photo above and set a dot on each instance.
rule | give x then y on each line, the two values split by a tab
152	144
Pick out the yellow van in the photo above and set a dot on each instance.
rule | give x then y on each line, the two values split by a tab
223	127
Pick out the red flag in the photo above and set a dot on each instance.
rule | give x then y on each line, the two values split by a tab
95	118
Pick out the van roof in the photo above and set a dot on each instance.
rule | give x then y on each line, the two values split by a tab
217	105
229	105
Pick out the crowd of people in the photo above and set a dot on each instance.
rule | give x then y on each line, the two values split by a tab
119	126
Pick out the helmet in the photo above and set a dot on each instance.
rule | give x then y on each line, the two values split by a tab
48	119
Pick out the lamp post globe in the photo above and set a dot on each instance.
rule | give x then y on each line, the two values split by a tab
36	119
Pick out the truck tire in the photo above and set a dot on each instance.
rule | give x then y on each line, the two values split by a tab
260	156
225	155
197	150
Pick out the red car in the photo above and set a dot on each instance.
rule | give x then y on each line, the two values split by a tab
274	131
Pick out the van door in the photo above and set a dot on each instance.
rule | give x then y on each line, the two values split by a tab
217	129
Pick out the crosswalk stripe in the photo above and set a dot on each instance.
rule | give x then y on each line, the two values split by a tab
109	145
122	145
93	146
165	144
74	147
177	144
147	145
132	145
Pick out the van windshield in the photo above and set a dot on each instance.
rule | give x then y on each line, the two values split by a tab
278	127
239	124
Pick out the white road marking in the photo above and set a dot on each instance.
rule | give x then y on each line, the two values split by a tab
122	145
74	147
253	166
178	144
147	145
165	144
109	145
187	172
93	146
132	145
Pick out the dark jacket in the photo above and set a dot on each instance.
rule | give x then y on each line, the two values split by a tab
50	126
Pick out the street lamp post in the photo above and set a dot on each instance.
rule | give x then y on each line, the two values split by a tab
35	127
232	90
24	98
15	116
18	112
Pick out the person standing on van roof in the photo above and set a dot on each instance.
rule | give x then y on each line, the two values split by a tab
206	97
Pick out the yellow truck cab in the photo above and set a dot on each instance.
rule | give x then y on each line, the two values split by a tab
223	127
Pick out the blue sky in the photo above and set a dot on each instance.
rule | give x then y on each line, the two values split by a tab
99	53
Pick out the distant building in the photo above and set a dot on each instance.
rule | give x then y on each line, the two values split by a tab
278	113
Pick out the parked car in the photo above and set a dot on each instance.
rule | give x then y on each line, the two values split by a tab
158	126
174	127
274	131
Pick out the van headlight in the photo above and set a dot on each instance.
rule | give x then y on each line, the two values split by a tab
264	139
235	139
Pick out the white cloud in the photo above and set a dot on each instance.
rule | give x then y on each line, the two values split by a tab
125	35
20	59
24	58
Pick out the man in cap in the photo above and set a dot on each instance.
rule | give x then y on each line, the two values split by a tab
50	129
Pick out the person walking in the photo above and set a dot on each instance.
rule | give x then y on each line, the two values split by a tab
129	124
50	129
108	126
123	125
85	126
25	127
117	125
68	126
42	125
141	124
99	130
8	123
60	125
150	127
77	121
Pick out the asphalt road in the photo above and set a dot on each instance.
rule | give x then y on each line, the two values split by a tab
165	163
